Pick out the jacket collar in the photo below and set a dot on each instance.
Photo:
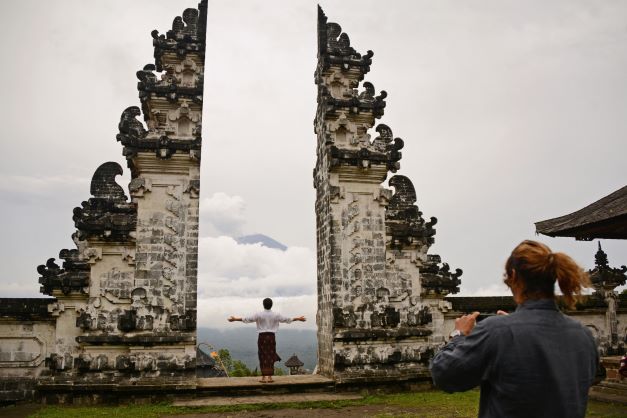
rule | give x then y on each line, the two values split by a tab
545	304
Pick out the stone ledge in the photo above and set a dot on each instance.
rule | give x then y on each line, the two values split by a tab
381	334
26	309
147	340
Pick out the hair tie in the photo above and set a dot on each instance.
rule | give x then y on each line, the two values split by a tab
551	258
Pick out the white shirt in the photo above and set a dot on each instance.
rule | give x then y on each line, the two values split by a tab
267	321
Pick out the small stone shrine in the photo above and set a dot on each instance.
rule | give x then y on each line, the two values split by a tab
295	365
605	280
380	295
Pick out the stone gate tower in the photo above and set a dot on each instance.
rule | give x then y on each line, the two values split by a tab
126	295
380	296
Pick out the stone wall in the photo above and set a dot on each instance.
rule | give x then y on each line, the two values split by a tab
27	333
591	312
380	295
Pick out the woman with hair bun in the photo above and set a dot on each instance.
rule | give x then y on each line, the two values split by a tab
535	362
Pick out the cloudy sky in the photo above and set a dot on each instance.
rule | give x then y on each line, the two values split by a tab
511	112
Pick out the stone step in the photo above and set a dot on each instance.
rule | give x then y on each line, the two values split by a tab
610	389
610	392
613	385
241	386
607	397
266	399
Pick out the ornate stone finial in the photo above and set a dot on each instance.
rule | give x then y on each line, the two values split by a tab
103	185
604	277
386	142
334	47
130	128
439	280
600	258
404	195
405	222
73	278
107	215
187	34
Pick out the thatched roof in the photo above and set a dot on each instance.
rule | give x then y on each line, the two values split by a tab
605	218
294	362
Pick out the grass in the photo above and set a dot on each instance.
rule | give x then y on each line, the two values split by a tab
430	404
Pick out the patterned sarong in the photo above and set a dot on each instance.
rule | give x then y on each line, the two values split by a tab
266	344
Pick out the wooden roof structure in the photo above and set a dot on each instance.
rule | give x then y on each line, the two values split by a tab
294	361
606	218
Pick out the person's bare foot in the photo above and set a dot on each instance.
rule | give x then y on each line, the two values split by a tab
269	381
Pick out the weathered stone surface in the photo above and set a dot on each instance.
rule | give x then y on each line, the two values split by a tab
125	303
378	316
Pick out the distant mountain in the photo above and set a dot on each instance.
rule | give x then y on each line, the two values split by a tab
242	344
264	240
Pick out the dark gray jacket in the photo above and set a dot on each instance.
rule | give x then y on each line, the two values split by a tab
535	362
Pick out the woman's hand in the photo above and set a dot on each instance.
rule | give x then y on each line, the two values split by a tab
466	323
233	318
300	318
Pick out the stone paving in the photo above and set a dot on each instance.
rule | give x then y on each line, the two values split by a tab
234	382
265	399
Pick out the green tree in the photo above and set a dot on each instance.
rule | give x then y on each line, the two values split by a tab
240	369
227	361
237	368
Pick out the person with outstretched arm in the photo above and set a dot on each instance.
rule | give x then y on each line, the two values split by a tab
534	362
267	325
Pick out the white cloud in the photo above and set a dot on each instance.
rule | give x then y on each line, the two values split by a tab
496	289
229	269
234	278
213	311
32	185
222	214
20	290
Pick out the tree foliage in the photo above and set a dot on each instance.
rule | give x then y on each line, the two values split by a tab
237	368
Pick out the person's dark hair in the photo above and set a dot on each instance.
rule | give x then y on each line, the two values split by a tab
537	269
267	303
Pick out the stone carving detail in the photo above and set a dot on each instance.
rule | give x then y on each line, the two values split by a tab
130	282
183	80
103	185
74	278
60	362
107	215
187	35
403	219
183	122
389	145
334	48
439	280
130	128
357	102
160	141
380	299
139	185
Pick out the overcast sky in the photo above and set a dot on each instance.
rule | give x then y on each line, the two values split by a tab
511	111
